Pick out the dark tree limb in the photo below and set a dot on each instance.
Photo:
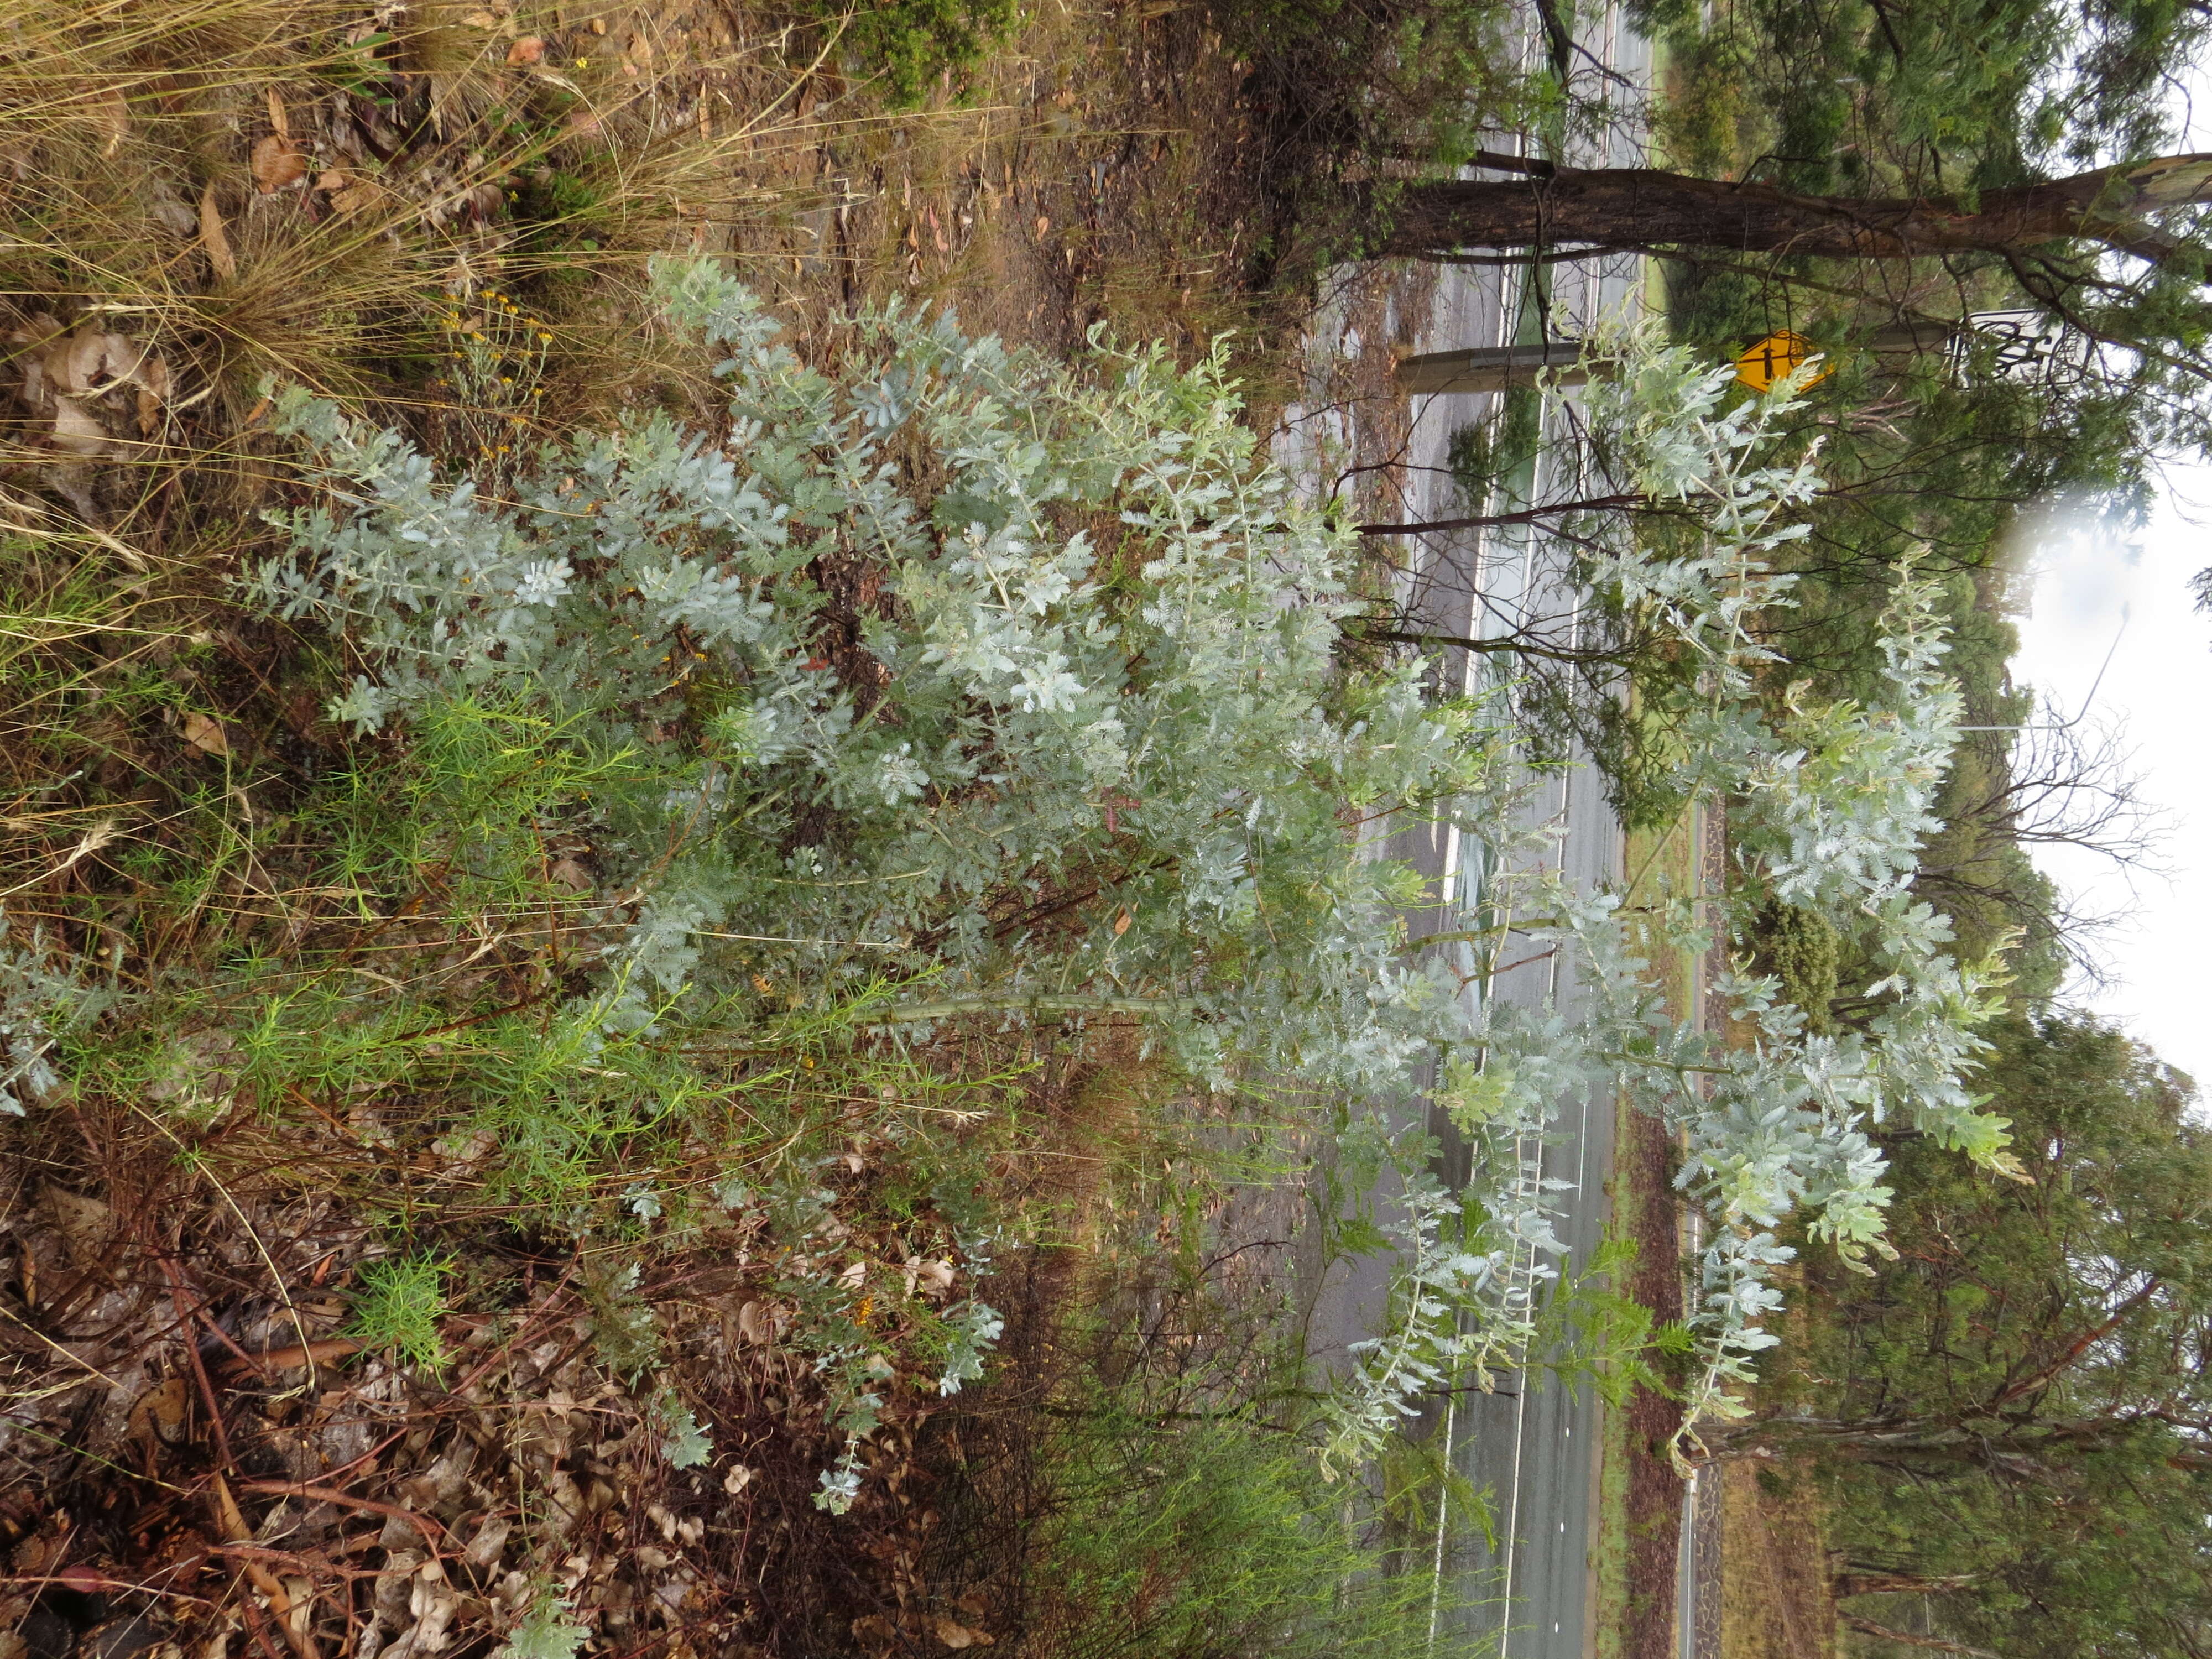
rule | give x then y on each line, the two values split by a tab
1488	520
1648	208
1868	1627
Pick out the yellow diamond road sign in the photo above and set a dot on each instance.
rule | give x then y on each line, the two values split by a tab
1775	355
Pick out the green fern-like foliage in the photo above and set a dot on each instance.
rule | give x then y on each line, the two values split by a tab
397	1309
545	1631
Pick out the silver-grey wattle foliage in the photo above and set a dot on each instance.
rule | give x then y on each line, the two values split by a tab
37	1004
1093	668
890	655
1026	711
1827	808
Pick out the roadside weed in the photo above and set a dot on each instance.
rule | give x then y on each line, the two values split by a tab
398	1307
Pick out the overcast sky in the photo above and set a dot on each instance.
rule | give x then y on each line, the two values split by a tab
2157	694
2090	588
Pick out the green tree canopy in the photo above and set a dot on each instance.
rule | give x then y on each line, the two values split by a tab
2014	1414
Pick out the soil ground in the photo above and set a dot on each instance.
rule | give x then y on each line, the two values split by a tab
1654	1498
1651	1516
1775	1600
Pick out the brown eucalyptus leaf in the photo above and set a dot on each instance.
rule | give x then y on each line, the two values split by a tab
75	431
214	238
754	1324
206	735
277	165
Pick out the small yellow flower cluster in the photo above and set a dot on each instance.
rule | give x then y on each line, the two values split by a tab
500	349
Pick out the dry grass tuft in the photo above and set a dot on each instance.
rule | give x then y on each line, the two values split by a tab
1775	1601
246	191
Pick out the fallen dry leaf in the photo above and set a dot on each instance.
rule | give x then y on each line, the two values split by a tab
277	116
77	368
206	735
529	49
92	361
212	237
358	197
484	1549
153	379
299	1618
931	1278
754	1324
954	1634
86	1225
171	213
42	330
76	430
277	165
229	1517
158	1412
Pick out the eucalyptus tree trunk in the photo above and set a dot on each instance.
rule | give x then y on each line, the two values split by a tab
1632	208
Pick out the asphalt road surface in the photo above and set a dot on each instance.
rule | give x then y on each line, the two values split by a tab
1532	1447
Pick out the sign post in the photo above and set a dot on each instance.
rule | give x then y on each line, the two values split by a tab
1781	353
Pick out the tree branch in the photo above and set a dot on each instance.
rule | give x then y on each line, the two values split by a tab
1488	520
1868	1627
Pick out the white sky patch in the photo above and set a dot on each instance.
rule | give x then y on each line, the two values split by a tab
2089	588
2158	692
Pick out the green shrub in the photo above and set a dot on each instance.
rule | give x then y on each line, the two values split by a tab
1800	947
909	43
1196	1539
398	1307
